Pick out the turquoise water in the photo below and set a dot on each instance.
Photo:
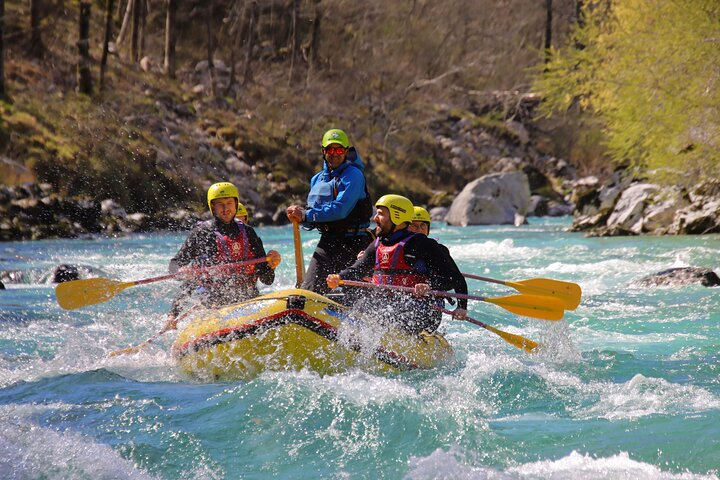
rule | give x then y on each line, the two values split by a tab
626	386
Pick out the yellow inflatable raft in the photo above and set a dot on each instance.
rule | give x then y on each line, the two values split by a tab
296	329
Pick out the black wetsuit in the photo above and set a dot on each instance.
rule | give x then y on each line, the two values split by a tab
201	249
413	314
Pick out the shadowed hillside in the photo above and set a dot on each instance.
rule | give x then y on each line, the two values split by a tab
430	92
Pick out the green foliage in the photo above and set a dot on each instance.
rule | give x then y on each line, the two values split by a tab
649	70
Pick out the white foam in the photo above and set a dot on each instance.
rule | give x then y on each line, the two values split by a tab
452	465
491	250
587	467
28	450
642	396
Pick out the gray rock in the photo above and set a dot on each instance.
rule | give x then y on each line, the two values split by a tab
438	214
681	276
698	219
628	212
491	200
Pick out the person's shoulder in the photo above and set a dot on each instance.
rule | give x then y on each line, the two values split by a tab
425	240
202	225
425	243
250	230
352	173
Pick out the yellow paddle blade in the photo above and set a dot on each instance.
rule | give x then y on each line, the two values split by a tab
516	340
126	351
567	292
80	293
536	306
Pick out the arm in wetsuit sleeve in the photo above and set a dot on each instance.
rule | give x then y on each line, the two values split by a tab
263	271
444	272
198	248
362	267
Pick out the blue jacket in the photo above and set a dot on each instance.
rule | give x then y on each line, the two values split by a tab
335	193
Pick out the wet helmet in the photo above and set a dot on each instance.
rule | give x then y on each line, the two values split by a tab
335	136
222	190
401	209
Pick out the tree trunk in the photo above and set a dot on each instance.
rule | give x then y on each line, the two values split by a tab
106	43
121	6
84	77
125	24
579	13
170	38
580	20
3	92
210	47
314	47
143	21
294	37
37	49
235	35
247	71
548	28
135	34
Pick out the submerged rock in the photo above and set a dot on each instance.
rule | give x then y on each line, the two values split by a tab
681	276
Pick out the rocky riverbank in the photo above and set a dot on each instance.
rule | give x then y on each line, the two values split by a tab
34	211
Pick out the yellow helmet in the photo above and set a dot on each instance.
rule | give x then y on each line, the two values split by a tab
222	190
401	208
335	135
242	211
421	215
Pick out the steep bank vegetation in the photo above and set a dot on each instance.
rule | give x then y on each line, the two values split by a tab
647	72
256	84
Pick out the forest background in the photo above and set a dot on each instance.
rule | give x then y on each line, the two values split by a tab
148	102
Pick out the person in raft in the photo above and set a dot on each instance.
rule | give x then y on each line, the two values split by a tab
224	239
242	213
401	257
339	206
421	224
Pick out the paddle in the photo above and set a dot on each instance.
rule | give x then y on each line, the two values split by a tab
138	347
514	340
299	261
536	306
568	293
81	293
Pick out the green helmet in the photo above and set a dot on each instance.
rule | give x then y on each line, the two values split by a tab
222	190
401	208
335	136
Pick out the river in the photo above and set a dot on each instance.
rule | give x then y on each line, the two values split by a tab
625	387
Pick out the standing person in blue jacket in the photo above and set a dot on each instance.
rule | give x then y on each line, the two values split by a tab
339	206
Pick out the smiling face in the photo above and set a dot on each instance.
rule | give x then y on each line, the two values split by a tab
332	157
383	221
419	227
224	208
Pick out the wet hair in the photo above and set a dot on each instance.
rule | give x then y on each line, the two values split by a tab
65	273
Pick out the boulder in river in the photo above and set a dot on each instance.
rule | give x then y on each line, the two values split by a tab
681	276
496	199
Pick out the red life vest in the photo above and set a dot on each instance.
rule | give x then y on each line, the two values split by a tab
235	249
391	267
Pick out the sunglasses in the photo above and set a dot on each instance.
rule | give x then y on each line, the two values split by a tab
335	150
